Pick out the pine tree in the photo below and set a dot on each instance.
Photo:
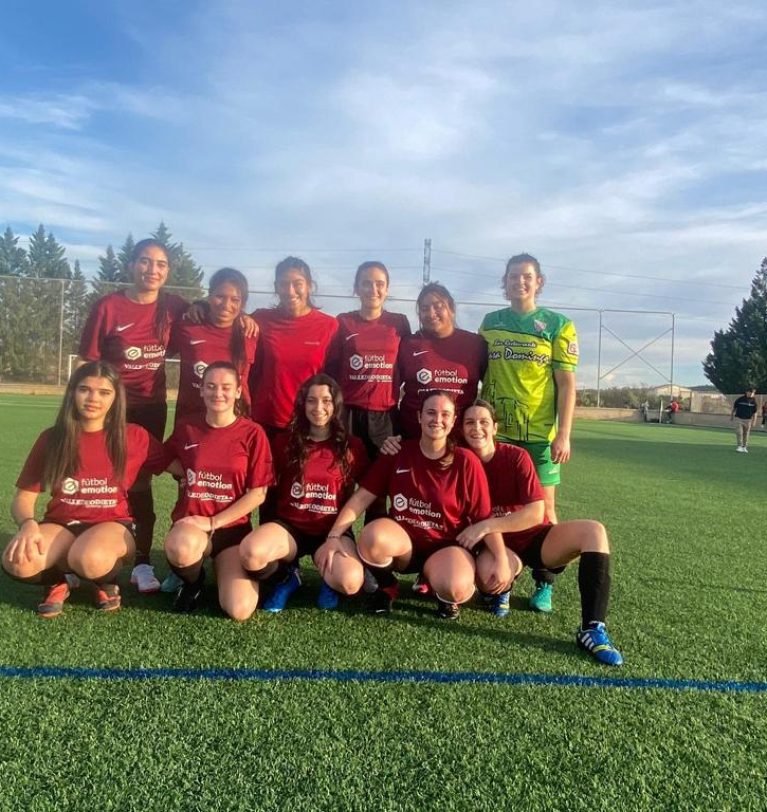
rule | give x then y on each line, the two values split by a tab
123	259
185	275
76	310
13	260
738	356
47	258
49	270
108	276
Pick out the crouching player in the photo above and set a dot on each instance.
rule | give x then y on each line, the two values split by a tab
317	465
436	491
88	461
226	465
518	512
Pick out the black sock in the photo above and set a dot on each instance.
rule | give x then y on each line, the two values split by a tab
543	576
190	574
142	508
594	585
383	575
49	577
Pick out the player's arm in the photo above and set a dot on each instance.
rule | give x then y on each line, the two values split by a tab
28	539
243	506
530	515
560	445
358	502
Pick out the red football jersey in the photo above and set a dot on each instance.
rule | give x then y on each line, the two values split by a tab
311	499
363	359
513	484
198	345
93	494
290	350
432	503
220	464
455	364
122	332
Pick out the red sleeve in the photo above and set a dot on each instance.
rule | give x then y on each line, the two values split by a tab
480	506
332	335
529	488
174	342
90	340
403	328
261	468
360	461
376	480
32	472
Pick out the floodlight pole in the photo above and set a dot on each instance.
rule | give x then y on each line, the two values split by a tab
61	334
426	260
599	362
673	333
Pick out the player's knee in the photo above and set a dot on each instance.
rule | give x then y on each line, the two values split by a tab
180	552
91	561
238	607
595	537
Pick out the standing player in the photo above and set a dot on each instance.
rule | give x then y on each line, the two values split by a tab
744	409
436	491
294	340
518	513
530	380
438	356
317	464
364	362
87	460
225	461
219	336
130	329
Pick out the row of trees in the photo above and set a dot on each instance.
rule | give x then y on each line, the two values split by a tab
44	300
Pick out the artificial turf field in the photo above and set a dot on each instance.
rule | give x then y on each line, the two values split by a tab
199	712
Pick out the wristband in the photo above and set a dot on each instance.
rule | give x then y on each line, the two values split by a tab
333	535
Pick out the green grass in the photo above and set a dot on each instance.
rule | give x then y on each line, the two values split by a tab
686	517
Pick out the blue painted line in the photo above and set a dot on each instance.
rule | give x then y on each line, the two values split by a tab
317	675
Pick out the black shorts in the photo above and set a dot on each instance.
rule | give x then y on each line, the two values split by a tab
421	555
78	528
226	537
531	555
307	543
151	416
372	427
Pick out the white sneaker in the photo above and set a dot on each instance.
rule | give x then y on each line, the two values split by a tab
744	450
740	449
144	579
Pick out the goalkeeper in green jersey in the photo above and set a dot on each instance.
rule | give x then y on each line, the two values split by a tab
530	380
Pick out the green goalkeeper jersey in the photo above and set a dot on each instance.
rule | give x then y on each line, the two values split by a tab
523	352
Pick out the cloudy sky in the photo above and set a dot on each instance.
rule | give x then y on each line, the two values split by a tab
622	144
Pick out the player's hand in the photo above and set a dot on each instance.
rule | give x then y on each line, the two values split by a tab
249	326
197	312
27	544
500	576
470	536
198	522
326	553
391	445
560	449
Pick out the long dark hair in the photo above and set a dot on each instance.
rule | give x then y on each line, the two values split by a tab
231	276
161	316
447	460
298	445
62	458
296	264
240	408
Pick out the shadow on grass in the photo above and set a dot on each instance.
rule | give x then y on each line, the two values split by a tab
704	586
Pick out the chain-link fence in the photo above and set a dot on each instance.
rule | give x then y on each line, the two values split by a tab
41	321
